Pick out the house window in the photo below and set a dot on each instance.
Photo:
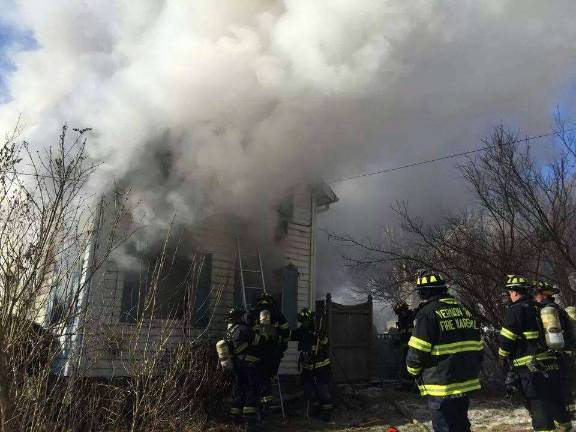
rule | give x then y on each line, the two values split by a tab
290	294
201	313
285	216
66	288
56	310
166	292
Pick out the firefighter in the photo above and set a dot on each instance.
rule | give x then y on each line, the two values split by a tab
532	369
314	364
405	315
269	321
444	354
242	343
404	327
544	294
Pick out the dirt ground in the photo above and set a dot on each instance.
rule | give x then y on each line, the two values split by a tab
374	409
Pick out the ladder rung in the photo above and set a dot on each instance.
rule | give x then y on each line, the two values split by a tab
249	255
254	288
251	271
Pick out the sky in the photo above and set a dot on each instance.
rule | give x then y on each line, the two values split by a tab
12	39
254	95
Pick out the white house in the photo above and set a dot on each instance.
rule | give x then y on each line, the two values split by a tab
112	299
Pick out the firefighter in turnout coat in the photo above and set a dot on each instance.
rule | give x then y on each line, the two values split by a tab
404	327
544	294
314	363
532	369
243	344
445	354
267	319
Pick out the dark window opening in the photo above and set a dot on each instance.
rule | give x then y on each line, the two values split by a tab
201	315
173	287
57	310
290	294
285	216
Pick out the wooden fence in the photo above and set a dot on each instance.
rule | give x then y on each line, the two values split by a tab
350	331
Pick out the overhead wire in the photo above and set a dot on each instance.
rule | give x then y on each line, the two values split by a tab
398	168
445	157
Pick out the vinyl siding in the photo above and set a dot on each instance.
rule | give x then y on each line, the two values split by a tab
102	324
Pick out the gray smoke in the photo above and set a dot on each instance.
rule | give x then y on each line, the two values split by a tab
216	105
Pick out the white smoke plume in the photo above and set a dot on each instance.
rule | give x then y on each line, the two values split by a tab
248	97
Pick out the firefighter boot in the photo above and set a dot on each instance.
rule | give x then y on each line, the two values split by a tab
563	427
236	416
326	413
251	424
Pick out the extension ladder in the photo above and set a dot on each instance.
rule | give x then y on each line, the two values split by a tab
251	274
253	285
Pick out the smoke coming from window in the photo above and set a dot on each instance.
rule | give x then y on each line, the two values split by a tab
214	105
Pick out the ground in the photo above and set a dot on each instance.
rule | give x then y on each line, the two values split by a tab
374	409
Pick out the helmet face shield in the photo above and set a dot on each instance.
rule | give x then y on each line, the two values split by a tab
235	314
505	297
265	299
306	316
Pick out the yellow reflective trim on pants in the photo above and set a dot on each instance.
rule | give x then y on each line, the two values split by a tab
523	361
322	363
266	399
249	358
419	344
544	430
235	411
249	410
503	353
531	334
316	365
564	425
241	348
449	389
414	371
284	326
457	347
508	334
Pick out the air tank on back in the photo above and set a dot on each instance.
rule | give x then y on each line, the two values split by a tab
552	328
266	327
224	355
571	311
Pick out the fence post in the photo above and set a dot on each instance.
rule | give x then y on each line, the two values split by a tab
327	316
371	337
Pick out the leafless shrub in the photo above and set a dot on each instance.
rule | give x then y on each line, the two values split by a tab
523	222
48	223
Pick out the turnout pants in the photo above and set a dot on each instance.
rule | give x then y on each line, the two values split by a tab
545	398
268	369
245	392
567	374
450	413
316	384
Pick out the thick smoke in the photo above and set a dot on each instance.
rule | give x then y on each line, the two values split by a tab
216	105
204	104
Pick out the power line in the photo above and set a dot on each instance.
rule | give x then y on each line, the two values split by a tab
441	158
386	170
